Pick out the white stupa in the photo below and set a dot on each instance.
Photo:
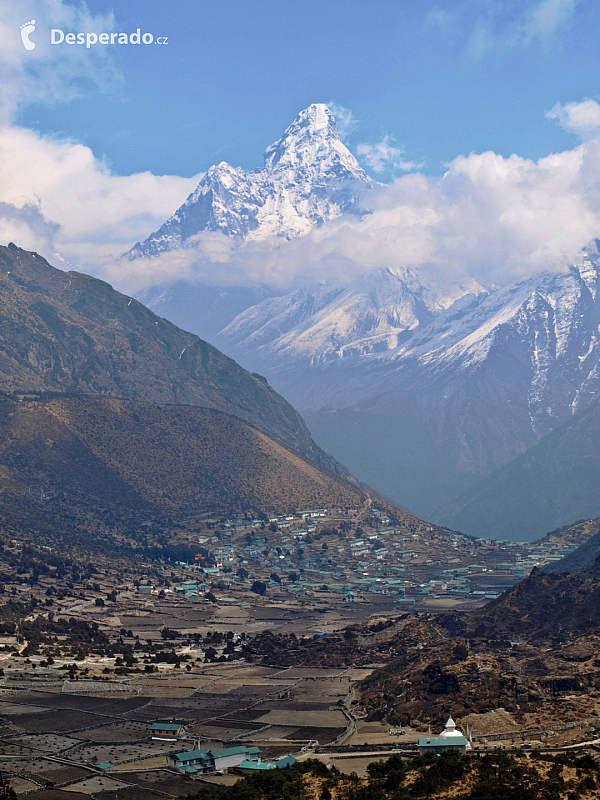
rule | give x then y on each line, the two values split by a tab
450	731
449	739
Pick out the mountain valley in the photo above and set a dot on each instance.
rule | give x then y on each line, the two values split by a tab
420	384
171	533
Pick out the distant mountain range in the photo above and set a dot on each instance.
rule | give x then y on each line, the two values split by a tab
420	388
478	386
548	486
360	323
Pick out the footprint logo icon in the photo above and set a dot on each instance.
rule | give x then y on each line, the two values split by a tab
27	29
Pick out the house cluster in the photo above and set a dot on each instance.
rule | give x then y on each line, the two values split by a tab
315	550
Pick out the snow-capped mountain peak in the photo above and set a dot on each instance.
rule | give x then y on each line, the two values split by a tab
309	177
313	141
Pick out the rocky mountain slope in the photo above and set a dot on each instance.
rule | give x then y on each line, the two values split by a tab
69	332
588	532
543	608
554	482
309	176
533	653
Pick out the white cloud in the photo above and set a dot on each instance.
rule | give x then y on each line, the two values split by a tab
483	28
490	218
49	73
345	120
544	20
441	18
481	41
581	118
384	155
55	196
89	213
26	225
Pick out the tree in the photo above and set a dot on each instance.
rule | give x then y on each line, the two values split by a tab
259	587
460	652
99	602
210	654
275	577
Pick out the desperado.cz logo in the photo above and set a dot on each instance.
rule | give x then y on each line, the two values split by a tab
90	39
26	30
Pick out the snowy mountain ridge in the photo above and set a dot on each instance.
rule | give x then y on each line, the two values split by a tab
370	318
309	177
553	316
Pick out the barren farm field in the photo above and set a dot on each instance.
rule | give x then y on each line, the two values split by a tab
79	739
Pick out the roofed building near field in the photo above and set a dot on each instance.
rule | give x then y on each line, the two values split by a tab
168	731
449	740
233	756
192	761
203	761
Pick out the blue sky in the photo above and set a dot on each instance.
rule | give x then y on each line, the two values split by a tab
439	79
99	147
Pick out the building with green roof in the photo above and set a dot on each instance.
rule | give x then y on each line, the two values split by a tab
168	731
449	740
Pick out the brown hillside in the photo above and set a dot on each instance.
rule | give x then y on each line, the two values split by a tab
68	332
123	456
525	653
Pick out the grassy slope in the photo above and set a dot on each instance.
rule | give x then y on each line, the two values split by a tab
122	455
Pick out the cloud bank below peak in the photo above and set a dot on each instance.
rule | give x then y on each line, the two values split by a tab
488	217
